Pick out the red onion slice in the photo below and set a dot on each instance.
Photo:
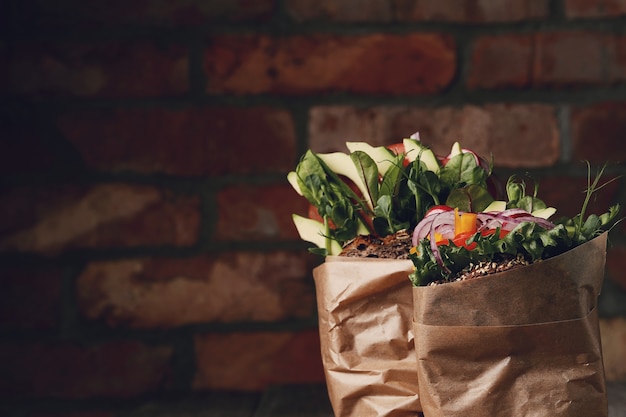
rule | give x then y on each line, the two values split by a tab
443	223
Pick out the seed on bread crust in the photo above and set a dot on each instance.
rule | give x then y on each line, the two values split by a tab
483	268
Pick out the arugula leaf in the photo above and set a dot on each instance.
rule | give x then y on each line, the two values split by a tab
343	187
471	198
462	170
390	183
424	188
385	221
368	172
427	269
310	174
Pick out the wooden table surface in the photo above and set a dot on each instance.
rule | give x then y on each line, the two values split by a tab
289	401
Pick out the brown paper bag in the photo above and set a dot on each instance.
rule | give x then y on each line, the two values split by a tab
365	309
524	342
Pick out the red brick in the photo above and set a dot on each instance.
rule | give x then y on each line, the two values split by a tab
500	62
253	213
518	135
598	133
105	69
54	219
211	141
616	59
470	11
418	63
594	8
30	297
330	127
557	58
121	369
253	361
166	293
546	60
115	13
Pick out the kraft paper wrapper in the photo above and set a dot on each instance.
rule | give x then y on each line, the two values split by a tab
365	309
525	342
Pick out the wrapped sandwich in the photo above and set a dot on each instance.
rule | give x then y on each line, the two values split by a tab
505	316
363	206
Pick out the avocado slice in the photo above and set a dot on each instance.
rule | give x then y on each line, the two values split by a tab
341	164
544	213
383	157
455	150
496	205
314	231
414	149
292	177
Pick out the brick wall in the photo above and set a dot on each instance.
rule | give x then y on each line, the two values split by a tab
145	234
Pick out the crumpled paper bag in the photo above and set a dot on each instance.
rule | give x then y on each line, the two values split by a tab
524	342
365	310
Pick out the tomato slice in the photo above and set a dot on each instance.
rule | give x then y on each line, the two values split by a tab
438	209
461	240
398	149
493	231
313	214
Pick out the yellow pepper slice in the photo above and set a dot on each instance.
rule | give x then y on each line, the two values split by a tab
464	223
